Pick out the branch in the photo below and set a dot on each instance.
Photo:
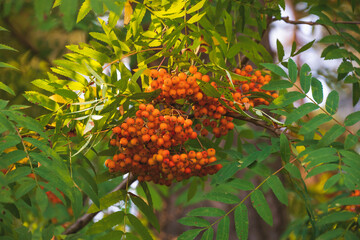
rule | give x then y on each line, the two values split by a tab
287	20
275	131
86	218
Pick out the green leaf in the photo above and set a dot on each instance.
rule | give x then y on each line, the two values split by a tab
336	217
41	199
305	78
228	25
196	18
319	156
280	50
207	212
113	235
192	189
224	197
146	210
305	47
331	135
351	79
5	47
190	234
208	89
208	234
345	67
317	90
234	49
106	223
108	200
352	118
42	100
196	7
287	98
293	170
337	53
67	93
275	69
355	200
350	141
241	222
5	65
48	232
277	85
139	227
314	123
285	151
6	88
332	102
259	203
84	10
293	70
332	181
17	174
146	190
278	189
300	112
321	169
194	221
332	39
69	8
24	188
226	172
223	229
241	184
332	234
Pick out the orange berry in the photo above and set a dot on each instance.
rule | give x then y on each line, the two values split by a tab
154	73
204	132
248	68
124	141
205	78
188	123
116	130
192	69
245	87
257	73
193	135
211	152
162	72
182	76
230	126
198	76
163	126
134	141
160	142
146	138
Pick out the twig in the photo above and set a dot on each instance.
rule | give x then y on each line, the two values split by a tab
287	20
86	218
277	132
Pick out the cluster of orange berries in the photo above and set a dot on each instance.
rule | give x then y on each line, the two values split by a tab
178	86
245	89
145	144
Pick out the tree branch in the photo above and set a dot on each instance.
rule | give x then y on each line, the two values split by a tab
287	20
82	221
275	131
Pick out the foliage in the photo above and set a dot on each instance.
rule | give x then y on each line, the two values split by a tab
47	178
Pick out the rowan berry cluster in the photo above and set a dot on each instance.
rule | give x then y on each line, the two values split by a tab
245	89
146	143
151	143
